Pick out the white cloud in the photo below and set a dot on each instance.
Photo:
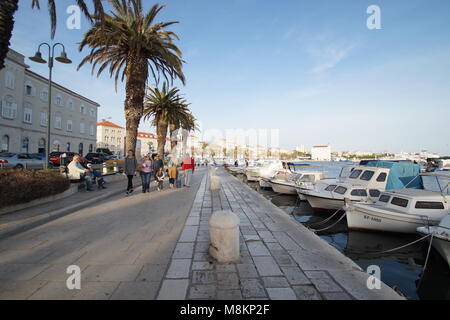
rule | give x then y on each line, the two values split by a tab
329	56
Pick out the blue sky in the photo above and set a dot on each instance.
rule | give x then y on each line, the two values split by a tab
311	69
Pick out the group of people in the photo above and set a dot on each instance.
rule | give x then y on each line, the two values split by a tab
80	170
152	167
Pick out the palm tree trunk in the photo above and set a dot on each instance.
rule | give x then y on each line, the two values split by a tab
173	143
7	10
161	131
136	73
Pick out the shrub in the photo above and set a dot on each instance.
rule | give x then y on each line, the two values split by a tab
21	186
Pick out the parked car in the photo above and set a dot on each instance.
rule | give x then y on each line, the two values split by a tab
55	157
11	160
96	157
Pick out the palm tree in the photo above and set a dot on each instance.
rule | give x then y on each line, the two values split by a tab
9	7
204	146
184	120
7	10
166	107
133	46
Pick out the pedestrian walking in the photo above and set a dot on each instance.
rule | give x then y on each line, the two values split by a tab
131	166
157	163
188	170
172	172
145	172
160	178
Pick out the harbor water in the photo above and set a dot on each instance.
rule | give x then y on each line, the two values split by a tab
401	269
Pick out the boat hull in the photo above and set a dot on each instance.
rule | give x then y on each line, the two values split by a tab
443	247
252	176
283	188
324	204
359	218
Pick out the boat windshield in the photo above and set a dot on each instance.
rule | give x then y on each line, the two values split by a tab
436	183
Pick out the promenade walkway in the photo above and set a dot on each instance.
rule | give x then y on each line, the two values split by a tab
280	259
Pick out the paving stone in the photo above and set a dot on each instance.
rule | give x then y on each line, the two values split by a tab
336	296
183	250
202	265
295	276
19	290
326	285
275	282
204	277
201	291
274	246
247	271
286	242
136	291
110	273
281	294
173	290
189	234
252	288
266	236
202	247
202	256
317	275
193	221
21	271
247	237
152	272
267	266
179	268
284	260
227	281
225	268
306	292
257	248
229	295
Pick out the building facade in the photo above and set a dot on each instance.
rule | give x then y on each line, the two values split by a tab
111	136
321	153
24	113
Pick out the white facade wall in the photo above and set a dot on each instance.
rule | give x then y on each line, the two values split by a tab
24	110
111	137
321	153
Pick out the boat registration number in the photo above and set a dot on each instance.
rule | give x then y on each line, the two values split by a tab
372	218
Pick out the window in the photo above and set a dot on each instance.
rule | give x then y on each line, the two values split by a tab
429	205
399	202
359	193
70	104
59	100
5	143
355	174
374	193
68	146
331	187
9	108
69	125
44	94
385	198
91	130
92	111
83	109
80	149
106	139
10	80
91	148
81	127
382	177
29	89
58	122
25	143
44	119
27	115
340	190
367	175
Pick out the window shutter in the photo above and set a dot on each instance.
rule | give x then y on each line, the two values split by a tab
14	110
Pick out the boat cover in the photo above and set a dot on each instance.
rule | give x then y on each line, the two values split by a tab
401	173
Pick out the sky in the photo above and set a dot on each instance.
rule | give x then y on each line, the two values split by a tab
312	70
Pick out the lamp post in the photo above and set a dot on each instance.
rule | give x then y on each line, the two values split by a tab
63	59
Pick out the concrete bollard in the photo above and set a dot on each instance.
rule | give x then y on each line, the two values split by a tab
105	168
116	167
224	235
212	172
215	183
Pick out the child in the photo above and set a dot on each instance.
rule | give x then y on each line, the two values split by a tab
160	178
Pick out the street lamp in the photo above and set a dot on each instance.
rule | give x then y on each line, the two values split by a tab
63	59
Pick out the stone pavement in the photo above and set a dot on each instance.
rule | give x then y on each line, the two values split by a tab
280	258
122	245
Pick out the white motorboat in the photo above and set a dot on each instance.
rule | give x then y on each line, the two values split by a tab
404	210
265	168
306	182
285	185
365	182
441	237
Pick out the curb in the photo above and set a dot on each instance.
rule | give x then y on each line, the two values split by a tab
50	216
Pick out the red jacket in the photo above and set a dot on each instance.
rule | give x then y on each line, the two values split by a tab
188	163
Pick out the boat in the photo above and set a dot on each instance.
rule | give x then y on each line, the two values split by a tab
264	168
306	181
423	201
441	237
359	183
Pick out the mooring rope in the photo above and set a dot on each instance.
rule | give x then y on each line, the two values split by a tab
426	261
401	247
326	220
331	226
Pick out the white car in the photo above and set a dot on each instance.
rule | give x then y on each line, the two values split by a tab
11	160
